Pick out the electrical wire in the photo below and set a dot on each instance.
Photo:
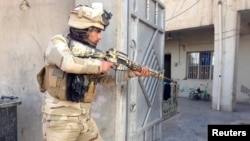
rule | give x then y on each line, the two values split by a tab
175	8
184	10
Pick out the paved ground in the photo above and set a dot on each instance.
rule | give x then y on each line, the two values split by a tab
190	124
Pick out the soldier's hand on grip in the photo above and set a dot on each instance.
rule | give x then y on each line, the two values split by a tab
106	66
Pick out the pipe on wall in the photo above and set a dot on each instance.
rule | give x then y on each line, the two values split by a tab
220	52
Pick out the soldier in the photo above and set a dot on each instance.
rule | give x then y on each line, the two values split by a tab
70	80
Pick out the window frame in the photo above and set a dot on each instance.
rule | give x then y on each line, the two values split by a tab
197	65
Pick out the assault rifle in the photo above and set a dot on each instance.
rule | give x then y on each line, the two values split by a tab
120	60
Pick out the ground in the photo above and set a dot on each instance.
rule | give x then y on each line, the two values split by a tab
194	116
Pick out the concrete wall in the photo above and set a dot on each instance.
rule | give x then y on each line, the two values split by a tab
184	14
24	36
180	14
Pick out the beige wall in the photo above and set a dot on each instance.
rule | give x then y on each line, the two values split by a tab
183	14
24	36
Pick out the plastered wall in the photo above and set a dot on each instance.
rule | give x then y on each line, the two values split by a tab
180	14
24	36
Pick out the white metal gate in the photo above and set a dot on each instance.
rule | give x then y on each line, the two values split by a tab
146	46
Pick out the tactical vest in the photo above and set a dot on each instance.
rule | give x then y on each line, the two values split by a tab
53	79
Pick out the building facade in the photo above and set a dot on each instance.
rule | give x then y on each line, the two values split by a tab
207	47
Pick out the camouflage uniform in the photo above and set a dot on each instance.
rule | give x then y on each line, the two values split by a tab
64	120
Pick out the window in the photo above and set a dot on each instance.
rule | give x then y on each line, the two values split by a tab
200	65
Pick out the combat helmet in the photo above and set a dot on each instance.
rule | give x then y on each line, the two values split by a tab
83	17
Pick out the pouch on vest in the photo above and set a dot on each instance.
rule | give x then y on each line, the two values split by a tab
56	82
41	80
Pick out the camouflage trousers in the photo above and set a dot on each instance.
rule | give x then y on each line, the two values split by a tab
68	121
70	128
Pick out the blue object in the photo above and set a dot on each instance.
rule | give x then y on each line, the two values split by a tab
166	92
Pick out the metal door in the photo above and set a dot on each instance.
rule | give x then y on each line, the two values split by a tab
146	46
